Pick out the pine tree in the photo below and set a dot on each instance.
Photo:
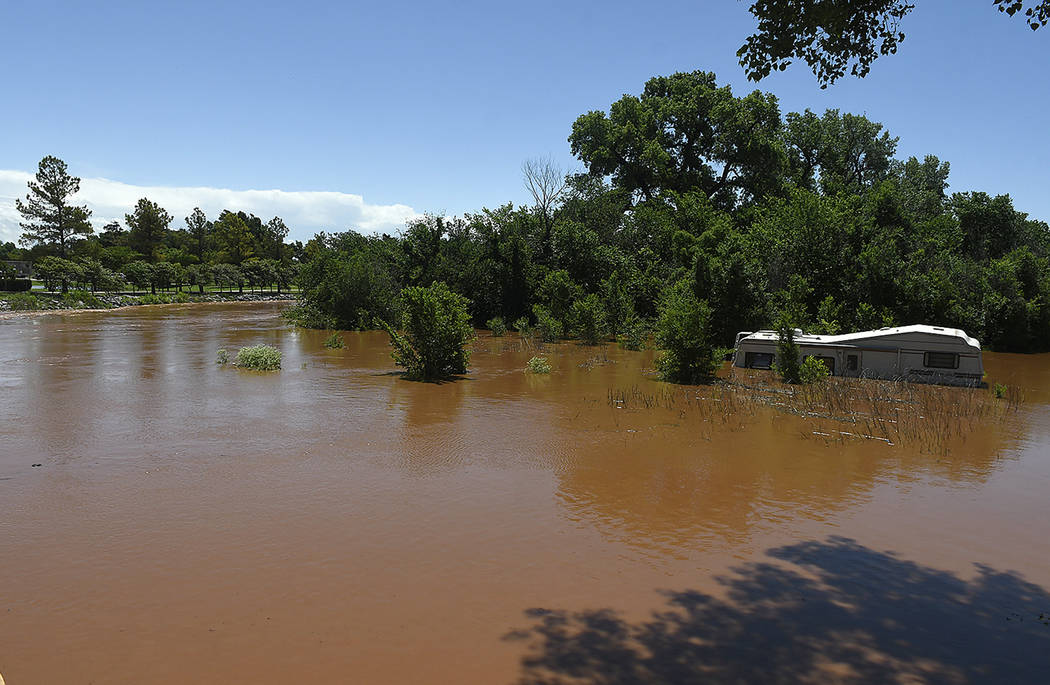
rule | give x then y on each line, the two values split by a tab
49	218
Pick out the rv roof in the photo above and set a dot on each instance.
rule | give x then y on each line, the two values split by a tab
875	334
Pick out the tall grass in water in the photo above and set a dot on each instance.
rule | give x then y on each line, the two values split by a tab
929	417
259	358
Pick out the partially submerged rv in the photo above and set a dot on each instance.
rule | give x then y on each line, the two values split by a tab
919	353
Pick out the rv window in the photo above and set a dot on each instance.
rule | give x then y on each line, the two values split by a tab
758	360
851	362
829	362
941	360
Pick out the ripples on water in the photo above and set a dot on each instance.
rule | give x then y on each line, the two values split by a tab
334	518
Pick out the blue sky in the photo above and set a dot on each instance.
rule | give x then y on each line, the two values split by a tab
398	108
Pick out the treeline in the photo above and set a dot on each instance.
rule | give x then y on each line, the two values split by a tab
234	250
804	217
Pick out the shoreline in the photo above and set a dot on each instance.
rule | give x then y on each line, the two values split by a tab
207	298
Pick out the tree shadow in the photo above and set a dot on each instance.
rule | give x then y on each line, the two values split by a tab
831	611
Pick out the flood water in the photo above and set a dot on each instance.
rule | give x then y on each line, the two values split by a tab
165	519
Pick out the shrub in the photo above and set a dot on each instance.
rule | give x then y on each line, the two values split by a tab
497	326
308	315
259	358
999	390
538	365
222	356
334	342
633	333
434	332
683	332
812	370
787	364
550	328
23	302
82	299
522	326
589	321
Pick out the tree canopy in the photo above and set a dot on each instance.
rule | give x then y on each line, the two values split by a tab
833	36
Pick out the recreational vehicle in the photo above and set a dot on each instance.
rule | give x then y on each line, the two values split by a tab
920	353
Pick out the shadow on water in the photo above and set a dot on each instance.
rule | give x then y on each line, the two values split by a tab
825	611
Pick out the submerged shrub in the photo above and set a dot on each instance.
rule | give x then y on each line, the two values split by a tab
222	356
522	326
999	390
633	333
259	358
589	320
434	332
334	342
683	333
538	365
787	364
497	326
550	328
812	370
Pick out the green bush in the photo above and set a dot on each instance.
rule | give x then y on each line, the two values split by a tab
522	326
222	356
434	332
334	342
812	370
589	320
308	315
538	365
633	333
999	390
23	302
497	326
787	364
550	328
83	300
259	358
683	333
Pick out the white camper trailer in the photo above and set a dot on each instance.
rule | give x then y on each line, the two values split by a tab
919	353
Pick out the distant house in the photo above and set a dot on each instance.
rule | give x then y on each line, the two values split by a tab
19	269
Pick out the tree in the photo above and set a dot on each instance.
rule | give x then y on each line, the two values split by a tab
686	134
546	182
49	218
682	332
434	331
276	231
198	226
147	225
234	237
834	36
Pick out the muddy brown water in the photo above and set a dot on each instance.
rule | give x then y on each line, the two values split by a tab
336	523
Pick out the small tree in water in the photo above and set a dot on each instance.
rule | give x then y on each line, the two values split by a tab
434	332
683	332
787	365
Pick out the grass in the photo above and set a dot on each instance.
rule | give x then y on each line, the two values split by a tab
935	419
258	358
21	302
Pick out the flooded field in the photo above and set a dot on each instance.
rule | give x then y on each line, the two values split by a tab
166	519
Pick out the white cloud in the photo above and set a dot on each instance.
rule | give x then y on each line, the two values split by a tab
304	212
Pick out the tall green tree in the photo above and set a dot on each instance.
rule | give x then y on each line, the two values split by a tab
50	219
147	226
199	228
686	133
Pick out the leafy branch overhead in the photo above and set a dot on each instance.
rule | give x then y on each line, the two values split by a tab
834	36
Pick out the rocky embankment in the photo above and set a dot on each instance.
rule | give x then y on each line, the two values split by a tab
37	302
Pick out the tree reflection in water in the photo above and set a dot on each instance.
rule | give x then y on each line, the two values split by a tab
830	611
